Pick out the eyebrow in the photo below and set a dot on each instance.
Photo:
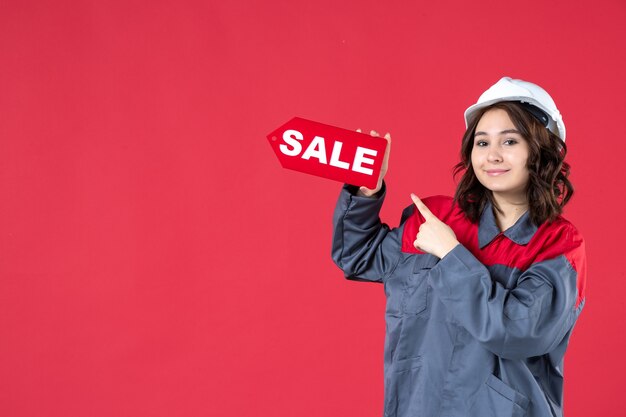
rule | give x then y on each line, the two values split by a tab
504	132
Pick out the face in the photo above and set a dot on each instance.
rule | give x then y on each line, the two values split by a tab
499	156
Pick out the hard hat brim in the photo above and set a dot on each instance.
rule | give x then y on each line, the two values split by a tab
555	124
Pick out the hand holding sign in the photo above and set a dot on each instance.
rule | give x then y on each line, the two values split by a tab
367	192
434	236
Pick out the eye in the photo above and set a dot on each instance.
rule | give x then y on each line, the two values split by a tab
510	141
480	143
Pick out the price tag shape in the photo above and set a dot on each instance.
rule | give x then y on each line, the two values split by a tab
329	152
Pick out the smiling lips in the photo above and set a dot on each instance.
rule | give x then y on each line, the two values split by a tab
496	172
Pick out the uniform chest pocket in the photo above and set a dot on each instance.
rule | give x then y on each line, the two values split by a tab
415	292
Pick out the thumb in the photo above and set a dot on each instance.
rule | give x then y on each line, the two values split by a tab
422	207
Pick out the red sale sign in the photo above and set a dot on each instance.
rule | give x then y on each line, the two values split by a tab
330	152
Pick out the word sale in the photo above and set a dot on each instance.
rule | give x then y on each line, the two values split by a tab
317	150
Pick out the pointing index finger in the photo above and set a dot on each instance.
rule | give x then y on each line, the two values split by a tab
422	207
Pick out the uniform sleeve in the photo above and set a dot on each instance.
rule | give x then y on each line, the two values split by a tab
528	320
363	247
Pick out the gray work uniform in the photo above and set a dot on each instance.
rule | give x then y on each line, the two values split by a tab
481	332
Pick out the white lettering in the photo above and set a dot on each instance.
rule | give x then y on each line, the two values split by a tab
334	157
291	137
317	149
359	160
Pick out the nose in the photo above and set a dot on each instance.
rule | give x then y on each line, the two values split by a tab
494	154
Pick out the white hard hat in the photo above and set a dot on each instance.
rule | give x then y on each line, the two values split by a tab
508	89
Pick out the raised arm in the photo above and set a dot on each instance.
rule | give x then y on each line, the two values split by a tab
363	247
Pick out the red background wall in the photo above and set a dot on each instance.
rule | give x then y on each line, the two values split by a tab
155	259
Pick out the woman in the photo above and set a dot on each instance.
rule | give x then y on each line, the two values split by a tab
483	289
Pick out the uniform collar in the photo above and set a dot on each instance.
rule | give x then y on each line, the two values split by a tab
521	232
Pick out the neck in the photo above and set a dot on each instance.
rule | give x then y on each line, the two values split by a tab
511	208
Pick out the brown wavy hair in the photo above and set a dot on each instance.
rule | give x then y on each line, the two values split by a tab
548	189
